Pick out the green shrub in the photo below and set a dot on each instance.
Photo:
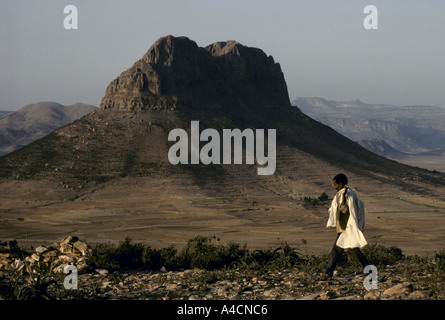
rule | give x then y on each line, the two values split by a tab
283	257
102	257
379	255
201	253
129	255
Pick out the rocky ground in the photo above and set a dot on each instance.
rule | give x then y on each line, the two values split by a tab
234	285
275	285
407	279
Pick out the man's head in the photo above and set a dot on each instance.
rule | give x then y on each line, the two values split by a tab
340	181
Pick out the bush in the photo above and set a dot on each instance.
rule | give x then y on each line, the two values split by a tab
283	257
126	255
315	202
130	255
201	253
102	257
379	255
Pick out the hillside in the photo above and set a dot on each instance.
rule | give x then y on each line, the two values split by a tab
34	121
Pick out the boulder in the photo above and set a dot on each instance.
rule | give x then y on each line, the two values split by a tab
81	247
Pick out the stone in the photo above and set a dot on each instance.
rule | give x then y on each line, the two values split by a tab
172	286
66	258
66	248
50	254
81	246
60	268
69	240
6	266
401	288
419	294
272	293
311	296
105	284
35	257
370	296
5	255
41	249
323	283
102	272
328	295
18	264
82	266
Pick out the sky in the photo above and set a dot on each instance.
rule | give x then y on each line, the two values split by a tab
322	47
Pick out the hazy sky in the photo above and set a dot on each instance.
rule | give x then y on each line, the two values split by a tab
322	46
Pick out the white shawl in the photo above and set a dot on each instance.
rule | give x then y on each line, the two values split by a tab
353	236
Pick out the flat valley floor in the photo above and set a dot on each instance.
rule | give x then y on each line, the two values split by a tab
169	211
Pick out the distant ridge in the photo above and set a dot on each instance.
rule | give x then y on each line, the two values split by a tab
34	121
404	129
4	113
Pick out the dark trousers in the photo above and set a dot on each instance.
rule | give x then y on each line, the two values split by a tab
337	252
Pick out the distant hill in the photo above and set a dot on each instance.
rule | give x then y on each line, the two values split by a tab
388	130
382	148
34	121
4	113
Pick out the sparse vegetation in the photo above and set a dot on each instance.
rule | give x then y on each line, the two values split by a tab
209	254
321	200
200	252
37	289
214	262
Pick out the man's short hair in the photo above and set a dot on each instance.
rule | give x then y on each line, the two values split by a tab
341	178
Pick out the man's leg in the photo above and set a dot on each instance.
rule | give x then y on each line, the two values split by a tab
334	257
359	256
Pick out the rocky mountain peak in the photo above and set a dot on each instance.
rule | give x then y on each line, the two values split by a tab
177	73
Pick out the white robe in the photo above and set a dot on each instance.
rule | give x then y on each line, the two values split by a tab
352	236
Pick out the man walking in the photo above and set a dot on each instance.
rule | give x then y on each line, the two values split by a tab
347	215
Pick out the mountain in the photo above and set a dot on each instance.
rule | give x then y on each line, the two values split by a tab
407	129
4	113
380	147
177	74
35	121
224	85
108	174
